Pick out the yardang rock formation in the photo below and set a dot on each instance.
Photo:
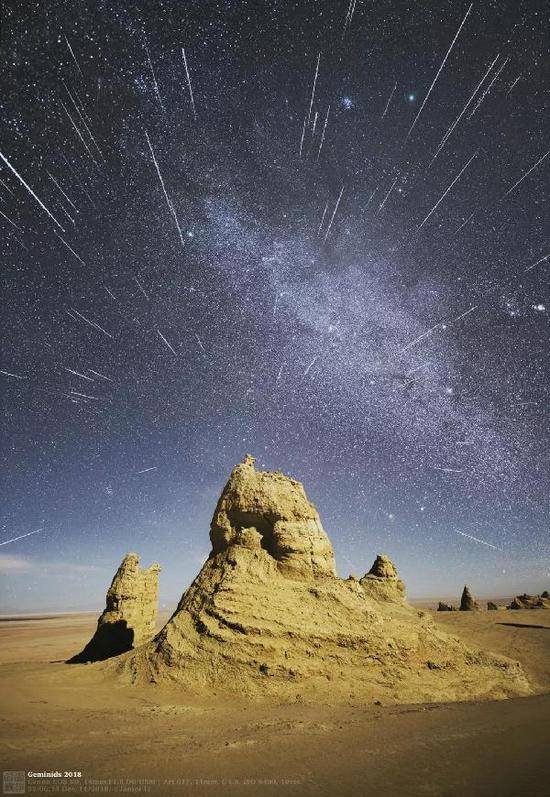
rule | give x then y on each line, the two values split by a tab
268	617
530	602
467	602
130	613
382	581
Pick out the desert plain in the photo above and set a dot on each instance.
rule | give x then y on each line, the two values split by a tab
77	718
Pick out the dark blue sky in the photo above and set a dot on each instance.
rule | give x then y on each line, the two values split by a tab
354	312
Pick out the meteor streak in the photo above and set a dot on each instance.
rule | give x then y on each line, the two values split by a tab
69	248
322	219
522	178
189	83
81	137
14	376
168	202
102	376
79	112
313	89
471	537
312	363
13	224
82	376
418	339
157	92
438	73
91	323
389	100
73	55
31	192
461	114
199	341
22	537
166	342
489	87
140	286
52	178
333	214
302	138
388	194
447	191
471	310
111	294
536	264
323	133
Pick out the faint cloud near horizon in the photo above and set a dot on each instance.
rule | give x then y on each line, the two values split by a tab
21	564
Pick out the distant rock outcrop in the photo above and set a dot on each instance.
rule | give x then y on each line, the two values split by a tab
445	607
530	602
545	594
267	616
382	581
467	602
130	614
491	606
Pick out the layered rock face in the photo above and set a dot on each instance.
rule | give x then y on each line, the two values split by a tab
276	512
130	614
467	602
530	602
267	617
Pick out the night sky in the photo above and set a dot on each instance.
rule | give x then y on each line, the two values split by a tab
359	300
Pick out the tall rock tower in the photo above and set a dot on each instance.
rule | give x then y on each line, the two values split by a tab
467	602
130	614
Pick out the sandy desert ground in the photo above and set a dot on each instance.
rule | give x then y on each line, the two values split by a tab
158	740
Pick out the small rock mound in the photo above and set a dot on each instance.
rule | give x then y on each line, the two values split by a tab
445	607
130	614
382	582
530	602
491	606
467	602
383	567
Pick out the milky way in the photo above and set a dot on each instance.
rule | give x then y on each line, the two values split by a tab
282	228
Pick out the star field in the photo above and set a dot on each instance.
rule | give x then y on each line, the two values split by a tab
317	238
